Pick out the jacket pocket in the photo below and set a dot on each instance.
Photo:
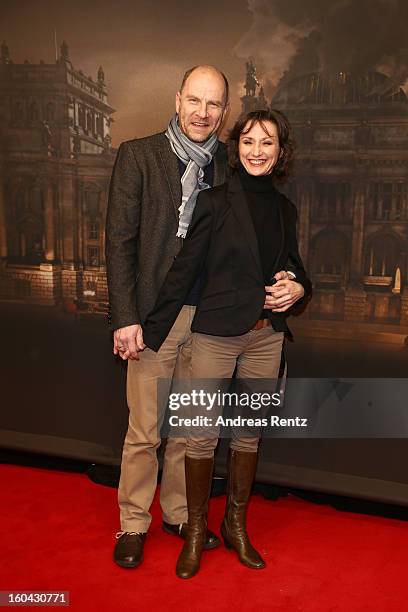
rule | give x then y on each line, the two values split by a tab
218	300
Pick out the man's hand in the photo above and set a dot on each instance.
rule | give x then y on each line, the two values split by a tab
128	341
283	294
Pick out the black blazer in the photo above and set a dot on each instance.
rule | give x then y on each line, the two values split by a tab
221	240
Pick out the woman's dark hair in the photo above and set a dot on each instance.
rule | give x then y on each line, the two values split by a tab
283	166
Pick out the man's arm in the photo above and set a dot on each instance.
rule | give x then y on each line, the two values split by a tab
294	263
122	228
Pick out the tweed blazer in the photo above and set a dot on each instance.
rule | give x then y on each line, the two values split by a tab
142	222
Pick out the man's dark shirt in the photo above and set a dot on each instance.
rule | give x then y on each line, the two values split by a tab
194	295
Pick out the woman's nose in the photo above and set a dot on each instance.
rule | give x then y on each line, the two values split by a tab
256	149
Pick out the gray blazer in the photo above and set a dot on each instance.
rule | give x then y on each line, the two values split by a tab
142	222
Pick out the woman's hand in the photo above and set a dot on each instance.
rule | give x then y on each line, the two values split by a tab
283	294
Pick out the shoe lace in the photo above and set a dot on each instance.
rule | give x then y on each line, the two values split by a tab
121	533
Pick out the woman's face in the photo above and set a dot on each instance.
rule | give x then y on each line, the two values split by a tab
259	148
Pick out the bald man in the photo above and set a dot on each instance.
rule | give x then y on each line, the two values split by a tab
153	192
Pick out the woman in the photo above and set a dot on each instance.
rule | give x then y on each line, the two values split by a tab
242	233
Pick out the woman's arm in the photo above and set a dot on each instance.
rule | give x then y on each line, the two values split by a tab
287	292
180	279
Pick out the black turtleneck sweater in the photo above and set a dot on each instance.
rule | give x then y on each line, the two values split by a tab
262	199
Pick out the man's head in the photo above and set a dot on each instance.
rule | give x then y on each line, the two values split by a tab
202	102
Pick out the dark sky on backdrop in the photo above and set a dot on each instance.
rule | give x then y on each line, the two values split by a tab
146	46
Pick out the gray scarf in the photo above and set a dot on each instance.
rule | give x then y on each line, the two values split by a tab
196	156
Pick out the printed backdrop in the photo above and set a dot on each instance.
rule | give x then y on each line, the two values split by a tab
77	78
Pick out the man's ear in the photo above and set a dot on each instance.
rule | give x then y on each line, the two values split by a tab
178	101
225	112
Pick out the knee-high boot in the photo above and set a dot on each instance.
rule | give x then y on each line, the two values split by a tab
198	487
241	473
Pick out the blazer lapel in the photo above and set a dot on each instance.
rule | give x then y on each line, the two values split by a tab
171	172
240	208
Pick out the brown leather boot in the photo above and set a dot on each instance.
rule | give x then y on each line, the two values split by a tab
241	473
198	487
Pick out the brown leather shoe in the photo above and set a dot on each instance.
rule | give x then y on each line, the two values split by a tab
128	550
211	540
198	486
241	473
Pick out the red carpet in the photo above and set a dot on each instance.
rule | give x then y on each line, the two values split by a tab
58	533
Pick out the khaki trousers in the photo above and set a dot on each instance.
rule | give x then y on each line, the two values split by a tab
256	354
139	468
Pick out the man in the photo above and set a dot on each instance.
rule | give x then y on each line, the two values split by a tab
154	187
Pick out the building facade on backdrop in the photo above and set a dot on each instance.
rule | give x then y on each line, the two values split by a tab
350	187
55	164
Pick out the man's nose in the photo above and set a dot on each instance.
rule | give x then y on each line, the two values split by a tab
202	111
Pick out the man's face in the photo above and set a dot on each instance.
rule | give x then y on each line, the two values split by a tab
201	106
